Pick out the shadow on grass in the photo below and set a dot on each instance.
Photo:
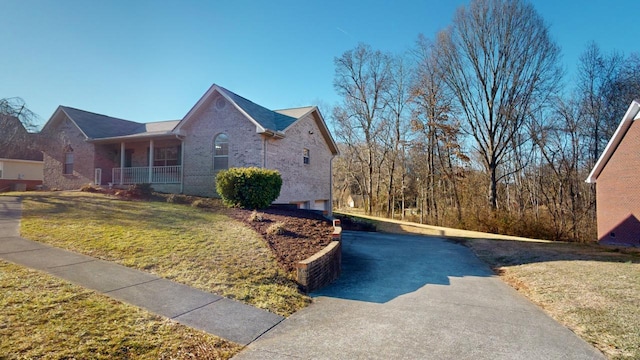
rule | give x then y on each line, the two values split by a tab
112	210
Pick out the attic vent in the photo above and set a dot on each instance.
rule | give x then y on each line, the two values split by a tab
220	103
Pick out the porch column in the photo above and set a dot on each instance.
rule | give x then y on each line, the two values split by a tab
122	159
150	161
181	166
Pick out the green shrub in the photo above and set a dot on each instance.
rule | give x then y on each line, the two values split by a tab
249	188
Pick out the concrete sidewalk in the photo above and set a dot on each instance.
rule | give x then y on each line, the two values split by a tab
211	313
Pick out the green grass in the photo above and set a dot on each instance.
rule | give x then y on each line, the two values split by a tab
591	289
47	318
202	248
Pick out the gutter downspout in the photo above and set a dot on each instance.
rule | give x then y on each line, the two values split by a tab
330	205
264	152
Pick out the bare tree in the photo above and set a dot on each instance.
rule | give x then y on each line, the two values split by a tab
397	97
362	77
17	108
16	122
432	118
500	63
597	74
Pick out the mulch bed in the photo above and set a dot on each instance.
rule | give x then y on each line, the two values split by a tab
305	233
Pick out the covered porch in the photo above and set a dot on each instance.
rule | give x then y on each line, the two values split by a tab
157	161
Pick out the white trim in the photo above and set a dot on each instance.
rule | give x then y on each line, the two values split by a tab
632	114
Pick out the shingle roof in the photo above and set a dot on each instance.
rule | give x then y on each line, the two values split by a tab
268	119
97	126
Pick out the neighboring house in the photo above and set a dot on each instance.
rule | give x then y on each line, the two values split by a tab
356	201
222	130
617	182
20	160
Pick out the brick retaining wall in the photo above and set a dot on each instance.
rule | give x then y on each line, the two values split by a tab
323	267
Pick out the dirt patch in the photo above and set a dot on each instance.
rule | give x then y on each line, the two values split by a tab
304	232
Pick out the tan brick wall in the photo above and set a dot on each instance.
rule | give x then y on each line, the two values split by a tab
617	192
245	145
322	268
54	140
302	183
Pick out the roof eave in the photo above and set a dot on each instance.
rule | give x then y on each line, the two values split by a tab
143	136
632	114
203	99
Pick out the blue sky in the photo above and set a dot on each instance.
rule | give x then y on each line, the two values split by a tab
152	60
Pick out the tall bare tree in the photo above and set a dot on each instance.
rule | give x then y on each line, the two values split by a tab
16	123
433	119
397	97
597	75
500	63
362	77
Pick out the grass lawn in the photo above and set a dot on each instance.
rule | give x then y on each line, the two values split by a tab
202	248
44	317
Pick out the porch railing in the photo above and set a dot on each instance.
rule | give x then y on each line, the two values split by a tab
139	175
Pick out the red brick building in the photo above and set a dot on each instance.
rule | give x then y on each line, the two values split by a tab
617	179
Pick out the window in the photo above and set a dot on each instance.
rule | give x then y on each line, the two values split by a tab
68	161
305	156
166	156
0	169
220	153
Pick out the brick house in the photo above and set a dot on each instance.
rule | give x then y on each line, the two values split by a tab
222	130
616	177
20	158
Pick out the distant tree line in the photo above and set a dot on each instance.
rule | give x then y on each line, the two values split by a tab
476	128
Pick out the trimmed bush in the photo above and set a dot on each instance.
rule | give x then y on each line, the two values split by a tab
248	188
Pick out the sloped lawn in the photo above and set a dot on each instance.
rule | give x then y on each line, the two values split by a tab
43	317
204	249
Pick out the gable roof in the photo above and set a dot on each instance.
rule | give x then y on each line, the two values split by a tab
268	119
632	114
98	127
265	120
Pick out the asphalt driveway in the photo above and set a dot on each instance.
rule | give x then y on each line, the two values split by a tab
416	297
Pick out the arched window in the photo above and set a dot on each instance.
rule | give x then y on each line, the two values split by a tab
220	152
68	160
